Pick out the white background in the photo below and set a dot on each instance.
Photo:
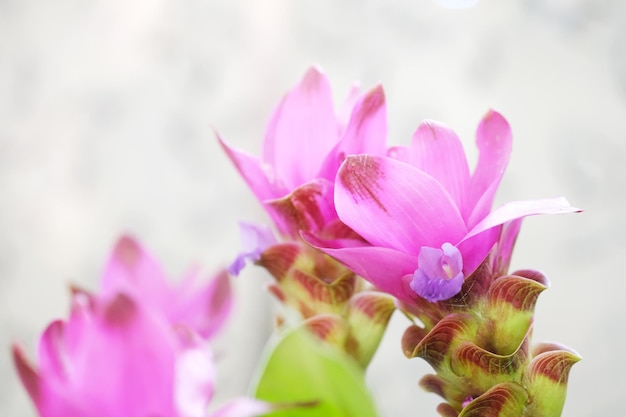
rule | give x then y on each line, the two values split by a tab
106	111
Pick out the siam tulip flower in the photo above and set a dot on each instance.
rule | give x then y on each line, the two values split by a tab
427	222
132	270
117	357
304	145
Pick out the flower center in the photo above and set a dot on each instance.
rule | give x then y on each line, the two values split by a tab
447	269
439	275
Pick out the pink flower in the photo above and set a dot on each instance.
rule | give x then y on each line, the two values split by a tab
115	357
428	222
304	145
201	307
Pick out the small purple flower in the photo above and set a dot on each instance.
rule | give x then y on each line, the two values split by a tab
440	273
255	240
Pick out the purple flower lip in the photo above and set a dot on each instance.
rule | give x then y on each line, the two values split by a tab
440	273
255	240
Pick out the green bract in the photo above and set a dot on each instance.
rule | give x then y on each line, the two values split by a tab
317	379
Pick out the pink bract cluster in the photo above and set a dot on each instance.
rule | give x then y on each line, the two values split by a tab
137	348
412	220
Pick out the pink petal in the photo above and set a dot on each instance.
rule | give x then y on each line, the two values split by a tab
476	248
366	132
345	110
131	269
383	267
519	209
111	357
52	351
303	130
308	207
494	140
395	205
437	150
259	176
204	309
482	207
194	383
506	242
125	360
27	373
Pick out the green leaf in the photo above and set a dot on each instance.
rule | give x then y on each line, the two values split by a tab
301	369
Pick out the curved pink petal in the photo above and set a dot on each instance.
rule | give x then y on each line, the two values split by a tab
194	378
303	130
519	209
506	242
345	110
367	129
365	133
118	359
494	141
395	205
258	175
437	150
115	357
133	270
28	374
203	309
382	267
141	345
476	248
308	207
52	351
482	207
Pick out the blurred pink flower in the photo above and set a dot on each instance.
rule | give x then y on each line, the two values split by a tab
426	219
201	307
304	145
116	357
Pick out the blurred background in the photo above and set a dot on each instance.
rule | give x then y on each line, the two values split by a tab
106	115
